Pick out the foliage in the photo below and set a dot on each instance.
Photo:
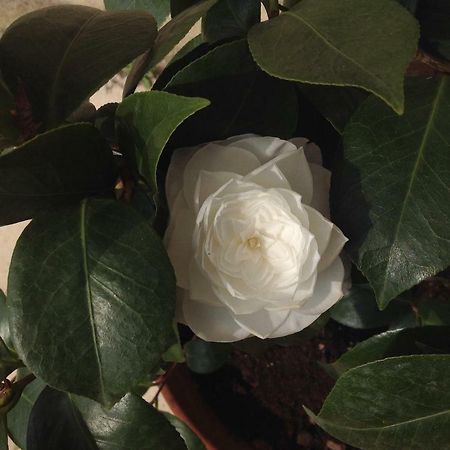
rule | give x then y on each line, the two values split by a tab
88	317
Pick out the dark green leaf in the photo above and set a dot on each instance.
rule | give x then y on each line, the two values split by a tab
19	416
131	423
435	311
105	122
178	6
3	433
95	279
168	37
392	194
411	5
57	43
396	404
411	341
54	168
243	98
191	440
8	359
336	104
63	421
160	9
186	49
4	323
147	120
206	357
272	7
358	309
55	423
230	18
358	43
8	130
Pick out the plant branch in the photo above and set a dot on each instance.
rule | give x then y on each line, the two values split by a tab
162	383
426	64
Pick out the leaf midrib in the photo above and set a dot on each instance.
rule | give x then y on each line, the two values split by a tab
89	296
55	83
419	158
327	42
393	425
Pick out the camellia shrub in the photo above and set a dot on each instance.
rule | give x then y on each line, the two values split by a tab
276	174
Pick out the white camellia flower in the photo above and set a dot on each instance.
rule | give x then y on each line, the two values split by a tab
249	237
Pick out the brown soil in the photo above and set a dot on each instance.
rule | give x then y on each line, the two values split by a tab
260	397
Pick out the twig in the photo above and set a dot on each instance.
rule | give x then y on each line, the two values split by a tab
162	383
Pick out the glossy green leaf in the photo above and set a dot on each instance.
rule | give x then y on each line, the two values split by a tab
8	130
63	421
168	37
189	47
191	440
396	404
272	7
5	334
55	423
336	104
243	98
8	359
3	433
131	423
411	5
178	6
18	417
57	43
391	196
411	341
54	168
95	279
434	311
147	120
206	357
230	19
159	9
359	309
337	37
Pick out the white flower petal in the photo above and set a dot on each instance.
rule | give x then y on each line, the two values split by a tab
216	158
328	289
238	305
200	286
320	227
174	177
268	176
210	182
265	148
178	240
262	323
295	322
305	289
321	189
313	153
296	169
212	323
299	141
334	247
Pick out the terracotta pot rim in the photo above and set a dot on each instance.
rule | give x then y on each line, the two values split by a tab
183	397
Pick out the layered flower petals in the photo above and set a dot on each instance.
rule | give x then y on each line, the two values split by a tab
249	239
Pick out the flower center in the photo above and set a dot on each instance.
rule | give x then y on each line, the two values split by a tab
253	242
